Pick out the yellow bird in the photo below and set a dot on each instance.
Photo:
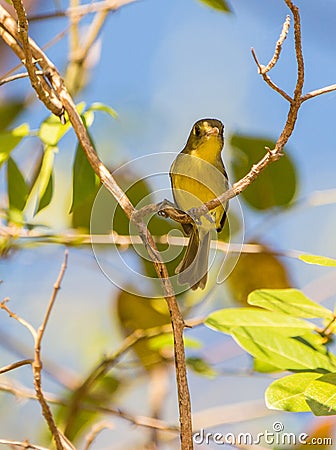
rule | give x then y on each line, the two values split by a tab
197	176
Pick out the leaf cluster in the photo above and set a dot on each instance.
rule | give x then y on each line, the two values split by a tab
276	332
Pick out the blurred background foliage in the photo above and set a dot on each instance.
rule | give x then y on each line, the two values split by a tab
198	65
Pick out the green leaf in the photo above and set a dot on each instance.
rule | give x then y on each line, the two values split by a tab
102	107
286	353
318	260
226	320
219	5
10	139
201	367
287	394
84	180
17	186
45	199
321	395
43	183
288	301
263	366
52	130
166	341
277	184
88	118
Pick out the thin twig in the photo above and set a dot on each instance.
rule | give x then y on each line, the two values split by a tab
96	429
30	328
141	421
17	77
46	95
57	287
81	53
83	10
278	46
15	365
298	50
317	92
126	241
105	365
49	44
37	364
24	444
268	80
271	155
79	50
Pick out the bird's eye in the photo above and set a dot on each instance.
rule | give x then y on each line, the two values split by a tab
197	131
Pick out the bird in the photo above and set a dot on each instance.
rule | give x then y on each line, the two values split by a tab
197	176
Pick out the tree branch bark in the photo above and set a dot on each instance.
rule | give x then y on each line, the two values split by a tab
107	179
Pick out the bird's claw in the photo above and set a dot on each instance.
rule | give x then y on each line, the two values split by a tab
194	214
163	205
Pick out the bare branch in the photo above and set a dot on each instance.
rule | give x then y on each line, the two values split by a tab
278	46
105	176
317	92
141	421
37	364
83	10
298	49
126	241
267	79
105	365
15	365
17	77
30	328
96	429
24	444
57	287
44	94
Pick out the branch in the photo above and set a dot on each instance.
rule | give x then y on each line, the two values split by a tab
30	328
141	421
83	10
44	93
17	77
37	364
271	155
105	365
109	182
317	92
25	444
268	80
15	365
126	241
264	69
96	429
79	50
278	46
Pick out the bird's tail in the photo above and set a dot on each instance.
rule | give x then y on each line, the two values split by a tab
193	269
